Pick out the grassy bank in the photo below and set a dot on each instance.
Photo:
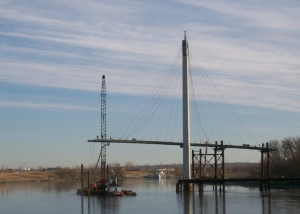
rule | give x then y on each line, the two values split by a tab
232	170
27	176
39	176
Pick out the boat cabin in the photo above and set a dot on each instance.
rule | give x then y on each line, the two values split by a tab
114	189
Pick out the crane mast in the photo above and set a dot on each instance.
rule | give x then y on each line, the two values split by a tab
103	129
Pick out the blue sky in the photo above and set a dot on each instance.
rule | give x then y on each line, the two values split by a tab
53	54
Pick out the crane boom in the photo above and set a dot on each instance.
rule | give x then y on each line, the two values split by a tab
103	129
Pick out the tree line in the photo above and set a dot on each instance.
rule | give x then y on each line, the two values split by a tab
285	161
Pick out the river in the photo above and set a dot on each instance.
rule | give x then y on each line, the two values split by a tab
153	196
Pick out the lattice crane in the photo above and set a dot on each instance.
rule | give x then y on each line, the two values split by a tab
103	129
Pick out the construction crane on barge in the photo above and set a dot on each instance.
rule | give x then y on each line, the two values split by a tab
102	154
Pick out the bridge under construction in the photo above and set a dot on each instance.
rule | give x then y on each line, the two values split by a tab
216	145
210	168
202	167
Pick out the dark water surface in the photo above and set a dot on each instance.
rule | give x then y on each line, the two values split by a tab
153	196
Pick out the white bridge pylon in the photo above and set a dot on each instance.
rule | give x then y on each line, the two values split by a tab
186	109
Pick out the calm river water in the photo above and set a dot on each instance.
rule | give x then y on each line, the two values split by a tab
153	196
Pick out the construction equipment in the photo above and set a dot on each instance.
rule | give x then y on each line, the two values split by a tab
103	130
100	156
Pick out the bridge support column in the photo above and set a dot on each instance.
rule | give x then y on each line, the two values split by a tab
268	165
81	170
223	166
188	187
265	161
186	114
262	169
200	187
223	161
193	164
200	170
216	160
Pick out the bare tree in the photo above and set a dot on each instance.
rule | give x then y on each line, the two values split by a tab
129	165
115	168
285	161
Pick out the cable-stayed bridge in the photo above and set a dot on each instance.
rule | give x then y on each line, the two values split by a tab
156	113
179	100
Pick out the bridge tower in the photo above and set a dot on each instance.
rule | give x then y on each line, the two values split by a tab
186	112
103	129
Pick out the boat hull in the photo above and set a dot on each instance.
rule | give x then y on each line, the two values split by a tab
114	194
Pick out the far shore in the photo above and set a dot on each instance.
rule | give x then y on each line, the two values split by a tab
40	176
29	176
232	171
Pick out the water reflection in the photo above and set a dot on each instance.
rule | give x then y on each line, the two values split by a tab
103	203
187	199
234	200
195	202
265	202
32	187
215	202
153	196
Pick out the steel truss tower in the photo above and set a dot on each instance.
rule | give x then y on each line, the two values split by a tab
103	128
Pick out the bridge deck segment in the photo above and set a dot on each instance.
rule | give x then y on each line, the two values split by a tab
217	146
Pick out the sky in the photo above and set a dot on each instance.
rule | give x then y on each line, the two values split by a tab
54	53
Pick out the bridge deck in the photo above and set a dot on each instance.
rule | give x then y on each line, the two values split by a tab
218	146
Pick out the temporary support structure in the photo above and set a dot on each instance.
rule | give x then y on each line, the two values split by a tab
214	167
209	165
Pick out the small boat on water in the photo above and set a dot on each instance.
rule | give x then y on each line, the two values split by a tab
157	175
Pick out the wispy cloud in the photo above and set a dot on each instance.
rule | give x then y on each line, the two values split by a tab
46	106
252	47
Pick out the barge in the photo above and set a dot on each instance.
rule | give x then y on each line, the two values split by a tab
105	187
